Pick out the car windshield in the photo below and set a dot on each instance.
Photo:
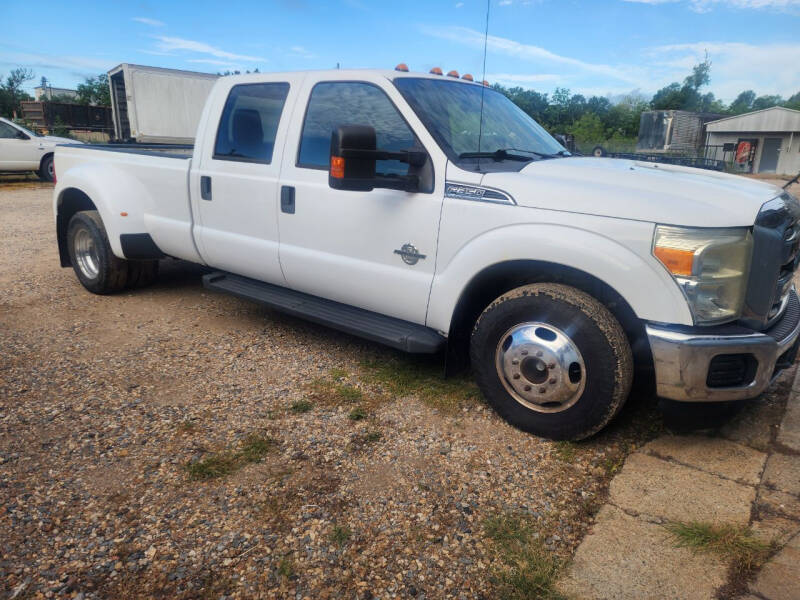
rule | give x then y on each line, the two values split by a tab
451	111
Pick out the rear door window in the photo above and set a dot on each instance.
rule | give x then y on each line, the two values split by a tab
250	121
353	103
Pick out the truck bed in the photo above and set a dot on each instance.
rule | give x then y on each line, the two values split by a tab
166	150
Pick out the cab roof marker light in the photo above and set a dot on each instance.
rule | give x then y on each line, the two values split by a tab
467	76
453	73
486	83
402	67
435	71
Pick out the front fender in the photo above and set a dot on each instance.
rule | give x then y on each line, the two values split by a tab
619	256
113	191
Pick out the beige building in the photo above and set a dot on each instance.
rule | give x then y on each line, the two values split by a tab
763	141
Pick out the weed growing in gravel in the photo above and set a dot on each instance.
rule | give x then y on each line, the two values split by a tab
410	376
286	567
338	374
253	449
187	427
332	391
566	451
528	570
360	440
340	534
301	406
357	414
733	543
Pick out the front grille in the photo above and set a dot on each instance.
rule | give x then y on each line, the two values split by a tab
776	245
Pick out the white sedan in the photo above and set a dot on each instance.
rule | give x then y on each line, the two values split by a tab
24	150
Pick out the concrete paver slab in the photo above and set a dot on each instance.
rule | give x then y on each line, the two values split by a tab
783	473
789	432
779	502
659	488
780	577
721	457
626	558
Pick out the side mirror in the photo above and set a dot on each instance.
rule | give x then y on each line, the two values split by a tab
353	157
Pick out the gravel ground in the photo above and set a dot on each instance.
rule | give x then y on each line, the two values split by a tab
344	469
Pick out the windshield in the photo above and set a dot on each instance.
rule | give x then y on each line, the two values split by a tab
451	111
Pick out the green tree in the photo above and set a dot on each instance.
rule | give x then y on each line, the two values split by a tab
687	96
743	103
767	102
588	129
793	102
94	91
11	92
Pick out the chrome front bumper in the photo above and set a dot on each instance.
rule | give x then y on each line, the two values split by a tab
682	357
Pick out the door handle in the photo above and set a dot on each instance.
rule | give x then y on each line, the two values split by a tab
205	187
287	199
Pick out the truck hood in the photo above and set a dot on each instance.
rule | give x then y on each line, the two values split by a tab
642	191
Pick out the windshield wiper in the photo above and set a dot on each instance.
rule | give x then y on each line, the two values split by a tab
497	155
560	153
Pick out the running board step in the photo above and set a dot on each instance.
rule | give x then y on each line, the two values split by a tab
396	333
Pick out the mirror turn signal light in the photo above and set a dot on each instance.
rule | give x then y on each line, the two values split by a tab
678	262
402	67
435	71
337	167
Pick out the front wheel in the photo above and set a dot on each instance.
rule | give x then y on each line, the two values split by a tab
552	360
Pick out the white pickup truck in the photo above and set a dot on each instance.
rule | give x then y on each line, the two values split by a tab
429	213
24	150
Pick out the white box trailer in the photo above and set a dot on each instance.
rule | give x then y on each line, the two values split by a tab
154	105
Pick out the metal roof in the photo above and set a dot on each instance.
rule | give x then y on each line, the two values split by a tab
775	119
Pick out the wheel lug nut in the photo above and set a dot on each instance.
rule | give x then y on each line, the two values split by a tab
527	388
515	361
539	353
552	381
551	366
524	353
542	390
516	375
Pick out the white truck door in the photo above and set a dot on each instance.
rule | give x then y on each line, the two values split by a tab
358	247
234	185
16	153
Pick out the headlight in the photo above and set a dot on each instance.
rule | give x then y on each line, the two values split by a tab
710	266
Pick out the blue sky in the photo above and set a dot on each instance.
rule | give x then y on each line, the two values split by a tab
589	46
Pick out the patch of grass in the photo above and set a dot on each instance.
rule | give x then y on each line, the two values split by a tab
733	543
340	534
300	407
526	569
338	374
566	451
357	414
347	393
253	449
286	567
332	391
187	427
408	376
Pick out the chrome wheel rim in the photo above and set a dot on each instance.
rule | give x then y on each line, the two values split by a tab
86	253
51	169
540	367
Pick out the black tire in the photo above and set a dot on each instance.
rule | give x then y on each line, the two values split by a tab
47	169
599	151
142	273
595	333
111	272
